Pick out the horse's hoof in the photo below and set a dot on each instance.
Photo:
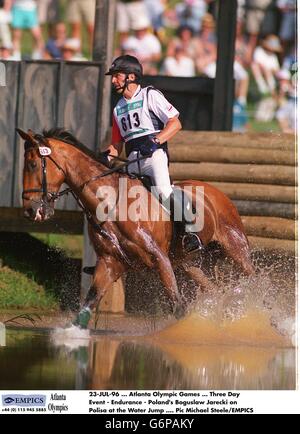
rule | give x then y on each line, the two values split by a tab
83	318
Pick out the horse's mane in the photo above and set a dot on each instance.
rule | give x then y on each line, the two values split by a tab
67	137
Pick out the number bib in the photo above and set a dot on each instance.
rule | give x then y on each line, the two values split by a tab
133	117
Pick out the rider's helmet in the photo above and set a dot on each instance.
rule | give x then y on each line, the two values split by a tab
128	65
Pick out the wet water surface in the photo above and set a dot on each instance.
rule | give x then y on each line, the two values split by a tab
191	354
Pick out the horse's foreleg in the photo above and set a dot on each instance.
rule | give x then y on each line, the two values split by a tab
107	271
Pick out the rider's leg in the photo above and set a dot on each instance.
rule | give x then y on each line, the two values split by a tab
180	206
183	210
157	168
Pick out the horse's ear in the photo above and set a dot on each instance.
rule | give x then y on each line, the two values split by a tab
25	136
28	137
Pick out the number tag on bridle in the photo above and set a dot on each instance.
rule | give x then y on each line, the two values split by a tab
44	151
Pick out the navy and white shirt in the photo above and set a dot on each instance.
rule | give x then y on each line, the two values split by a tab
146	112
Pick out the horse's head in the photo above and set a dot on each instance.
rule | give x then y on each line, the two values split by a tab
42	177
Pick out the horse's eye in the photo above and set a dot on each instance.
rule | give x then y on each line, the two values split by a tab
32	165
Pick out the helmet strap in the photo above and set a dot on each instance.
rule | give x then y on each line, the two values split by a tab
127	83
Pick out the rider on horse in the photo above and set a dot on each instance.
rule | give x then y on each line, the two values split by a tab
145	121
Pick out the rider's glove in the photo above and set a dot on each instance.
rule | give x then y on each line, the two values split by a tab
150	144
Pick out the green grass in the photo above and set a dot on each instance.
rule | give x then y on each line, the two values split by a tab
38	274
71	245
19	291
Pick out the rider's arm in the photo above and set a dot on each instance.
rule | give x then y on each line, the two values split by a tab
115	148
171	128
166	112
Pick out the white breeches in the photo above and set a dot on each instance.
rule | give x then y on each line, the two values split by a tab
156	167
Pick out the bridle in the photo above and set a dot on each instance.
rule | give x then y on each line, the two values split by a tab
47	196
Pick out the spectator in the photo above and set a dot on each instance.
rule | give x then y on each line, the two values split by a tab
6	52
179	65
206	60
54	45
186	41
143	45
286	114
71	50
190	13
155	11
290	62
128	12
5	36
241	45
255	14
265	64
240	118
241	10
48	12
24	16
241	75
287	31
79	11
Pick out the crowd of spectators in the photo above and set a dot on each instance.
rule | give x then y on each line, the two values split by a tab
175	38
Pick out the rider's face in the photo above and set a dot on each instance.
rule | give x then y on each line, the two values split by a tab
118	81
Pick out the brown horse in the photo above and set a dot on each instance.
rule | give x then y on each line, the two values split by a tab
57	157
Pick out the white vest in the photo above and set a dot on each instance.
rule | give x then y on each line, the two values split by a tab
147	112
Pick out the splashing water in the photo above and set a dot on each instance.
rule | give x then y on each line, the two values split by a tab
71	337
253	310
252	329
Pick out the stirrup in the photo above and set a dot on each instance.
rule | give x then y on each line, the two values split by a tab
89	270
191	243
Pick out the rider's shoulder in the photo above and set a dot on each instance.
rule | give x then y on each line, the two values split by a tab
151	89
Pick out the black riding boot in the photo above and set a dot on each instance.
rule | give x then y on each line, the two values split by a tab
183	211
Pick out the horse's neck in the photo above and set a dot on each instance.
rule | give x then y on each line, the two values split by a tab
79	167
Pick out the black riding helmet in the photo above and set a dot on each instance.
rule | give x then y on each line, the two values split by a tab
128	65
